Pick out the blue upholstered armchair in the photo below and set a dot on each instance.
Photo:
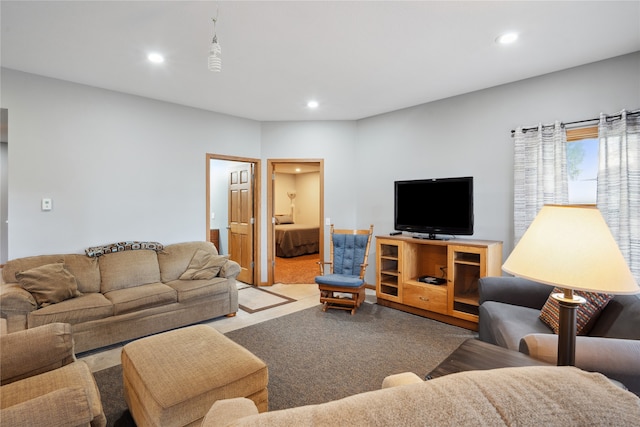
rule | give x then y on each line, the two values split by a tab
347	265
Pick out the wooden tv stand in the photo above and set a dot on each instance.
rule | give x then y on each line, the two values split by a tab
402	260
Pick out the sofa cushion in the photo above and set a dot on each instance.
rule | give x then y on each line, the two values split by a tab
76	374
586	313
49	284
504	324
204	265
175	258
619	319
84	269
84	308
141	297
189	290
49	347
67	406
121	270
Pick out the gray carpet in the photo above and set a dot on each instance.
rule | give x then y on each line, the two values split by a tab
314	357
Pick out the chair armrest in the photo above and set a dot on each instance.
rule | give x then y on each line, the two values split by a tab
33	351
514	291
363	269
63	407
616	358
230	269
321	265
401	379
226	411
15	300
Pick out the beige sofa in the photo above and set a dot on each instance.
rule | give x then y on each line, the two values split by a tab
529	396
120	296
42	383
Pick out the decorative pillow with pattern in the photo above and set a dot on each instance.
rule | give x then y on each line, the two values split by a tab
204	265
97	251
49	284
586	314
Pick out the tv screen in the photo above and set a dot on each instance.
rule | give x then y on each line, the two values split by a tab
434	206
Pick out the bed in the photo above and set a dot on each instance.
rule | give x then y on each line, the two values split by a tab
296	239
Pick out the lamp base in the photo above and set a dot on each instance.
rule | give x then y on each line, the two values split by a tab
567	326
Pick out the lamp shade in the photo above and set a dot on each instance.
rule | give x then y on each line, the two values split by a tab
571	246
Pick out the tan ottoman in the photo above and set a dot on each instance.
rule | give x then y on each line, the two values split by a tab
173	378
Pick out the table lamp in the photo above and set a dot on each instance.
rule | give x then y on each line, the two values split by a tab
571	247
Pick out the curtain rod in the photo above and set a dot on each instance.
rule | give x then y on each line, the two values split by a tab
613	117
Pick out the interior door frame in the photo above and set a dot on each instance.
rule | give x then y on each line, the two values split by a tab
257	204
271	246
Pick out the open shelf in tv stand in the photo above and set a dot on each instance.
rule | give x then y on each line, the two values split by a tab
402	260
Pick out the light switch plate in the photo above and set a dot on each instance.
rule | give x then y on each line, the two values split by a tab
46	204
327	221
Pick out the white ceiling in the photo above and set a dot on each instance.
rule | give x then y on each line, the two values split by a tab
357	58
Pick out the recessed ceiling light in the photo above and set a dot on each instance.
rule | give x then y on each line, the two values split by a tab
312	104
507	38
156	58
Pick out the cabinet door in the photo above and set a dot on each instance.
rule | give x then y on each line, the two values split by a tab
466	264
389	262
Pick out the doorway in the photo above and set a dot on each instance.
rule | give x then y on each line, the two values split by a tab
295	207
232	209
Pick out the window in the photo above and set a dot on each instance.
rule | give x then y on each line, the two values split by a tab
582	165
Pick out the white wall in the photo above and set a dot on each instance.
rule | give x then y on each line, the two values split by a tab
121	167
283	184
307	200
471	135
118	167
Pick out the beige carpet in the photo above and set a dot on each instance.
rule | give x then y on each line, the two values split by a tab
253	299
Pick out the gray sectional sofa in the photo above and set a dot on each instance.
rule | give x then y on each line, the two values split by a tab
120	296
510	317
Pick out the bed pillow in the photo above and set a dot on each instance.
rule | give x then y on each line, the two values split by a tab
284	219
49	284
586	313
204	265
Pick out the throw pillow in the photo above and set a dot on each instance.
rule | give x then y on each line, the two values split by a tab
586	314
284	219
49	284
204	265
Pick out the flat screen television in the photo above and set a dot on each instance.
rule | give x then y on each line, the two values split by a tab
434	206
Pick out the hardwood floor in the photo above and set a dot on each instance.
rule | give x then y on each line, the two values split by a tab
301	269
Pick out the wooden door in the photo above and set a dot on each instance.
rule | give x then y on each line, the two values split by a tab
241	220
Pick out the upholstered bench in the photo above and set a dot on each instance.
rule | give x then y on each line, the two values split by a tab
173	378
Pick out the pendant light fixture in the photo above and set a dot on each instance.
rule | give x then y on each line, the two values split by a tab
215	62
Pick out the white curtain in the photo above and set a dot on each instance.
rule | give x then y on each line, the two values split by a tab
540	172
618	195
